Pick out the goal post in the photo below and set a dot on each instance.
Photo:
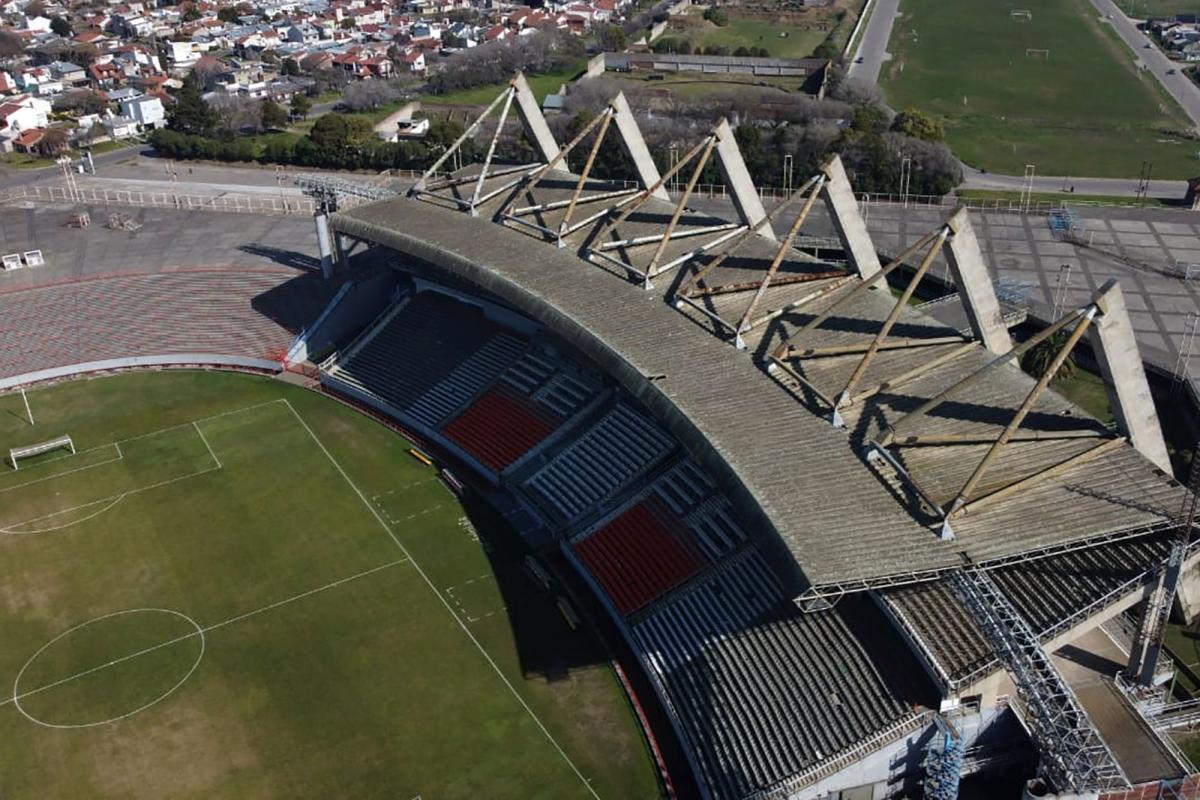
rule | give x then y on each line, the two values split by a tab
15	454
1023	14
1033	52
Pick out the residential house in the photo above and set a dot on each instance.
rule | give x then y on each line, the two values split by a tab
146	111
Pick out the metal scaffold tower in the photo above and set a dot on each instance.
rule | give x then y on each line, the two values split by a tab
1073	756
1148	642
327	193
944	762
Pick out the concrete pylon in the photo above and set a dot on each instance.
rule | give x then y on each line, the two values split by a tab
531	117
324	243
746	200
635	146
975	287
1125	377
843	211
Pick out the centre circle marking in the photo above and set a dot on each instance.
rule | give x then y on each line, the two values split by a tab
16	691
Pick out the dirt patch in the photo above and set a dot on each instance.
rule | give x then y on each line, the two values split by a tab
185	751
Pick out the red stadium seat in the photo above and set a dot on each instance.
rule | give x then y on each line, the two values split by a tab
500	427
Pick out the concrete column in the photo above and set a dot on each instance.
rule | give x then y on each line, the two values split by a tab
843	211
324	244
341	248
975	287
1125	377
737	178
635	146
531	117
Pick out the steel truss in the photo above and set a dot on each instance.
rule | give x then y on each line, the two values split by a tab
1148	641
517	93
599	248
1074	757
826	595
326	190
787	351
695	289
897	435
511	213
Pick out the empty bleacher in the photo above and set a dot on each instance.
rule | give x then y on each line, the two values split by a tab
1047	591
760	690
639	555
500	427
430	357
618	447
241	313
551	381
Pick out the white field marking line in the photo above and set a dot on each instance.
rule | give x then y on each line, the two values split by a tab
141	489
73	522
204	439
16	698
200	631
120	457
465	629
403	488
114	497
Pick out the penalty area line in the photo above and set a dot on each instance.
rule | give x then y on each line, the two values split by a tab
465	629
200	631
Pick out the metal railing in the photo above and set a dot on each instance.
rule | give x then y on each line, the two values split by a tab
226	203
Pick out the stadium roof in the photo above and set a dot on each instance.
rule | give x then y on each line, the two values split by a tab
847	523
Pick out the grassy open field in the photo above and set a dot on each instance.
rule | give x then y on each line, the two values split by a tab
238	588
1140	9
1084	110
541	85
750	32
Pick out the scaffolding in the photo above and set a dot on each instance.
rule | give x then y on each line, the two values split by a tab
944	762
1074	757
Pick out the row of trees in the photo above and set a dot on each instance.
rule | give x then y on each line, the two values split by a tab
682	46
549	51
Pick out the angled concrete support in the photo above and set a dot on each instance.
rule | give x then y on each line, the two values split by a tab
324	243
975	287
1125	377
843	211
635	147
745	197
531	117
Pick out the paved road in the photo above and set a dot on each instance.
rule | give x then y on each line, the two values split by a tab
872	48
1117	187
1177	85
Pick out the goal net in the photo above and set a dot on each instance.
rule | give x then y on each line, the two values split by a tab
1021	15
1034	53
15	454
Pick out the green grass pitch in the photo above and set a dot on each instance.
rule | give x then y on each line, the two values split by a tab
1083	111
239	588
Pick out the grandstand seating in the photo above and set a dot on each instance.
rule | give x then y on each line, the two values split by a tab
430	357
760	690
500	427
547	379
1046	591
617	448
223	312
639	555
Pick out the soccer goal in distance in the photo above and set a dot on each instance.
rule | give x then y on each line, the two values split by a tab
15	454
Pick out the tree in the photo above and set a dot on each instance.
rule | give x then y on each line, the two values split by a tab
716	16
869	119
53	142
10	44
289	66
918	125
190	113
228	14
611	38
60	27
301	105
192	14
35	8
272	115
1036	361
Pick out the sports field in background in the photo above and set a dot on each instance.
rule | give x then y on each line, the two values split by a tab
239	588
1083	110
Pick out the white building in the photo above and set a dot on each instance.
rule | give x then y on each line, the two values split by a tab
146	111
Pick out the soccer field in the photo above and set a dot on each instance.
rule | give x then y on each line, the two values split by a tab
1058	90
239	588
